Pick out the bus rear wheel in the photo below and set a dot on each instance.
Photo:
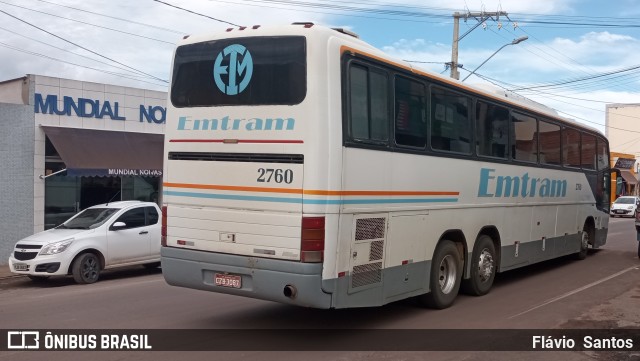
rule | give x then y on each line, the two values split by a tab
483	267
444	280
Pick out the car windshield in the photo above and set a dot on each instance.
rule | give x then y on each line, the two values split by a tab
625	201
89	218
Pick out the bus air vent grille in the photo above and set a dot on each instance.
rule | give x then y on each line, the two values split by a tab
369	228
366	274
377	248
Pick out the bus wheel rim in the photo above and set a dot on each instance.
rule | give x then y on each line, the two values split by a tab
485	265
447	274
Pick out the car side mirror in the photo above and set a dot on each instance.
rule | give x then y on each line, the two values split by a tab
118	226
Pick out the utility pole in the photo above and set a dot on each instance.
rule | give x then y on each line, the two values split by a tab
455	74
481	17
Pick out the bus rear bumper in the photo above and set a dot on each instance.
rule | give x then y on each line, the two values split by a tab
261	278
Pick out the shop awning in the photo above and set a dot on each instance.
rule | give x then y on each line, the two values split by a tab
628	177
88	152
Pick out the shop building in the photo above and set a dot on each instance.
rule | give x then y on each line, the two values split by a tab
623	131
66	145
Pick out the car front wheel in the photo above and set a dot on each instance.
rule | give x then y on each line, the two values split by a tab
86	268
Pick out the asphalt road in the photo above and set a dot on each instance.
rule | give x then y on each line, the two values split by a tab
599	292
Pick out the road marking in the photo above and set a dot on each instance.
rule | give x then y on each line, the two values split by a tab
570	293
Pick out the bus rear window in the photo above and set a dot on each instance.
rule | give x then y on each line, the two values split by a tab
240	71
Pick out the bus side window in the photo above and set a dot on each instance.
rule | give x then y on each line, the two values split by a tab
450	121
524	134
492	131
570	147
588	154
410	119
368	96
549	142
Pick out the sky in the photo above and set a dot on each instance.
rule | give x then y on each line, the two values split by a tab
589	46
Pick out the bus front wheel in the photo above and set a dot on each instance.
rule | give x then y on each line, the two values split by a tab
445	276
584	245
483	267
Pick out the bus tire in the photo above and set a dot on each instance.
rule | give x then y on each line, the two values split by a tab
445	276
584	245
483	267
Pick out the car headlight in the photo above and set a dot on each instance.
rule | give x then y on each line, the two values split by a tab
57	247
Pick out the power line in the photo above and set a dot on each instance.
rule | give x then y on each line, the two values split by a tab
128	76
590	70
82	47
71	52
552	97
90	24
332	13
562	82
553	59
116	18
195	13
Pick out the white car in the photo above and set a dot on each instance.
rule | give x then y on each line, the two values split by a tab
625	206
100	237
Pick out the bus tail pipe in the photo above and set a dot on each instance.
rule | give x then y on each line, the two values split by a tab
290	291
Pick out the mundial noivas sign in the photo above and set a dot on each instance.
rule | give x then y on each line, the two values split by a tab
90	108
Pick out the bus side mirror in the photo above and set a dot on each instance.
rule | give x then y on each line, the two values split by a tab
618	186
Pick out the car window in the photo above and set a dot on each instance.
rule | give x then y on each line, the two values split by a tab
625	200
152	216
89	218
133	218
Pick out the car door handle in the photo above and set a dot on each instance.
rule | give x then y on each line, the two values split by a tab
143	232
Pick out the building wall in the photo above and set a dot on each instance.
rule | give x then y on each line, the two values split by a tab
129	101
17	175
623	128
14	91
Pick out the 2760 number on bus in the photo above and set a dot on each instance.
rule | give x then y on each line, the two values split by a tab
272	175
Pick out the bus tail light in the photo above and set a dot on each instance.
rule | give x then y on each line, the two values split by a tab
163	239
312	240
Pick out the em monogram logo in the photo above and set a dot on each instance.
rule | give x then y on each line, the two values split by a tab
240	69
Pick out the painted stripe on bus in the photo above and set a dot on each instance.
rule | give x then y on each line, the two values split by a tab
308	201
316	192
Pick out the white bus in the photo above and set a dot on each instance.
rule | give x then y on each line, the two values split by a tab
304	166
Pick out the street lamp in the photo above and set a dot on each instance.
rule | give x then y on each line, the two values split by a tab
514	42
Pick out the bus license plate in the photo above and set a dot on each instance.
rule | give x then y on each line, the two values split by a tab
21	266
226	280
